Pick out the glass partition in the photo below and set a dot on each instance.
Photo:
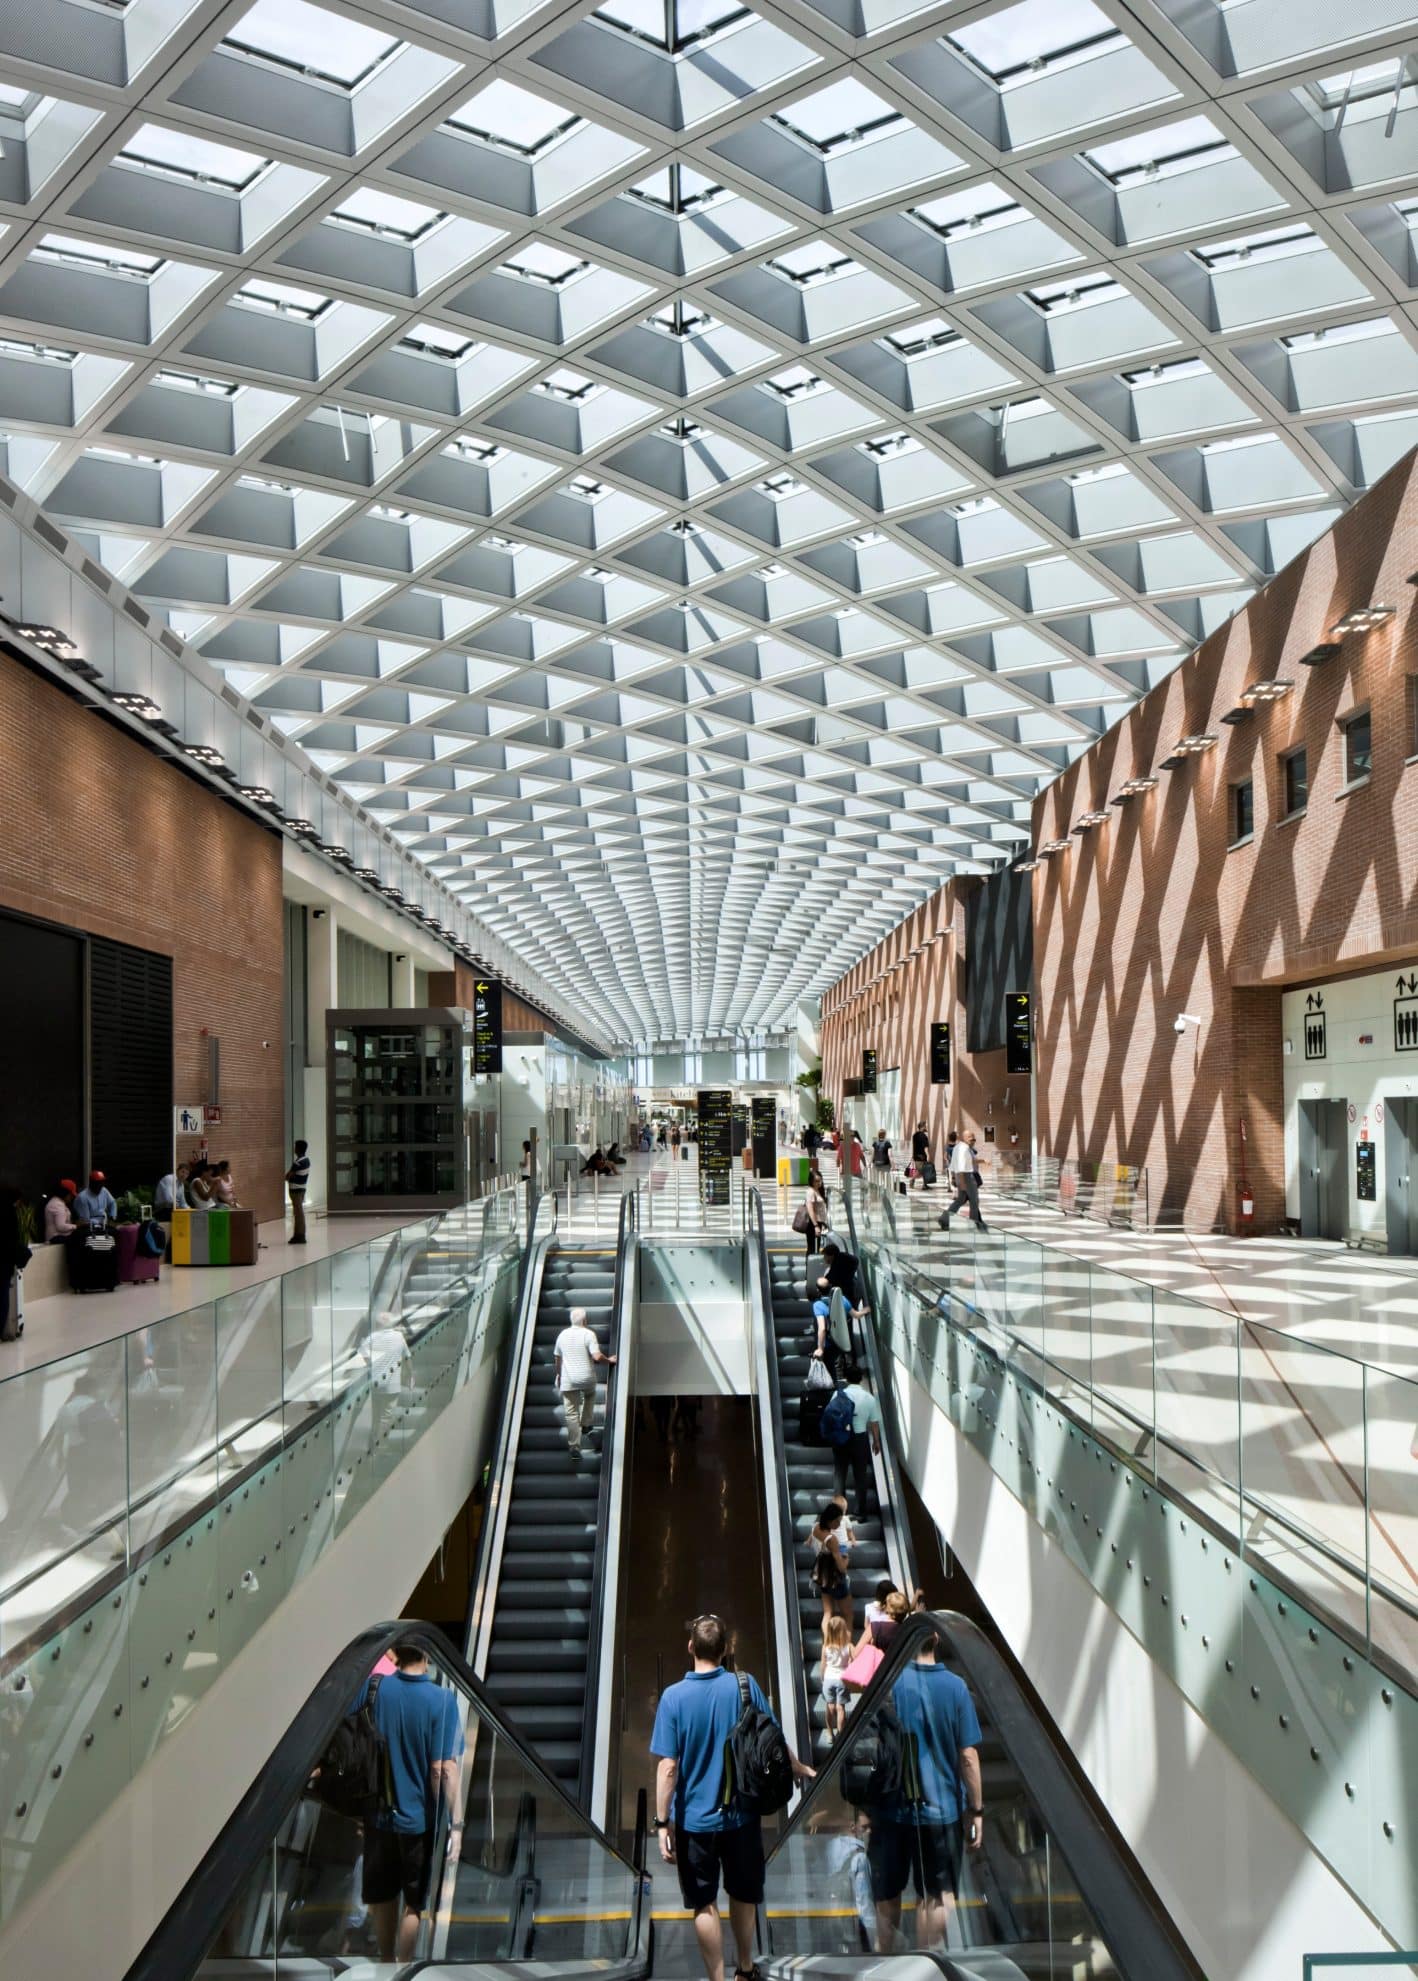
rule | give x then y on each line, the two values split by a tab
161	1492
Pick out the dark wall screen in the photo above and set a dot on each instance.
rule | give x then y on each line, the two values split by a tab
999	956
130	1062
41	1055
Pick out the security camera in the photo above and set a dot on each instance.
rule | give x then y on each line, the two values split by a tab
1182	1020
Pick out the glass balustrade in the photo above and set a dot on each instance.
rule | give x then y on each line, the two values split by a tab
160	1492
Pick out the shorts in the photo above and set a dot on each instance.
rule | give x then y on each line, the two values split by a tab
930	1854
397	1863
834	1692
837	1591
702	1857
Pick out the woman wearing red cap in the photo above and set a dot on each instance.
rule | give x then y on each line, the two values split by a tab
58	1212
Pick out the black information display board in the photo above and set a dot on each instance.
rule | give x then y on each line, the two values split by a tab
868	1069
1366	1180
1018	1033
715	1109
765	1135
487	1028
940	1053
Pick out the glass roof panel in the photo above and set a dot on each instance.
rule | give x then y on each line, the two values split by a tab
327	47
1020	42
1172	148
186	157
514	119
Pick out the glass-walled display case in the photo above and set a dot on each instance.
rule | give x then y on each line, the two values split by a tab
397	1138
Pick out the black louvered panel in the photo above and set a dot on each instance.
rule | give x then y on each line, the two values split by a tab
130	1062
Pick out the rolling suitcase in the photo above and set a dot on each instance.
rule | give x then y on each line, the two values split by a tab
136	1262
93	1261
810	1410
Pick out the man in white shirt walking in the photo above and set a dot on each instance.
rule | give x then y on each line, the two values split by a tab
967	1189
577	1353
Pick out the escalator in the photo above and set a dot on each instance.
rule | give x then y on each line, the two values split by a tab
278	1894
546	1569
806	1475
539	1644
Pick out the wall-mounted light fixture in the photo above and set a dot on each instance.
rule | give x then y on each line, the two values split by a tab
257	794
1087	820
137	704
1317	656
1052	846
1361	619
1133	787
1194	746
204	754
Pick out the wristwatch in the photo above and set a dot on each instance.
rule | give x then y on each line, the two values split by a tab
661	1823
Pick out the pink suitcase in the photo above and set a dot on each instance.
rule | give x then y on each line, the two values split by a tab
135	1264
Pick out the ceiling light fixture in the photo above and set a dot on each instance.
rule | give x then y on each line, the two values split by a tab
257	794
132	702
204	754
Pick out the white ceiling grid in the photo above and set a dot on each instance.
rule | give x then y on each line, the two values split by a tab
694	473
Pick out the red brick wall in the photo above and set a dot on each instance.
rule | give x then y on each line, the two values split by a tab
889	1001
102	835
1155	914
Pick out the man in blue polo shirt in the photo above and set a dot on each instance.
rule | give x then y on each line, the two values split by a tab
940	1814
701	1837
423	1726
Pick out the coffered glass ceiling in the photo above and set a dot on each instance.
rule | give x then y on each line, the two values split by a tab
694	471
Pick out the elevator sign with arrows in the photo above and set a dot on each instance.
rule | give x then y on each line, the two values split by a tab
1316	1044
1405	1013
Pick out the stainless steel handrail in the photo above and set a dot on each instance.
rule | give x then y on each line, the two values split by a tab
596	1770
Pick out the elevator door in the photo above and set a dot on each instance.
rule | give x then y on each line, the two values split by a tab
1324	1173
1401	1175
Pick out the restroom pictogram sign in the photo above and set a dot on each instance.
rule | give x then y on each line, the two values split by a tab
1316	1043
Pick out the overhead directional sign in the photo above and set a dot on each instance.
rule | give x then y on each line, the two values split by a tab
715	1106
487	1028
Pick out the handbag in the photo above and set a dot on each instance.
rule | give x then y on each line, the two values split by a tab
819	1376
928	1172
801	1221
863	1668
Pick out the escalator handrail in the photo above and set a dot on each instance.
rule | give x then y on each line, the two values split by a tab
177	1948
781	1514
1136	1930
610	1500
477	1620
901	1556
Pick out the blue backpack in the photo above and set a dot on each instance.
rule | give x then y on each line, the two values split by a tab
837	1417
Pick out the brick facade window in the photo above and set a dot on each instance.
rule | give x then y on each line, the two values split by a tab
1357	736
1294	782
1243	812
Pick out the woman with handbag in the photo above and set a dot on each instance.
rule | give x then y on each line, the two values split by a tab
813	1212
875	1642
829	1568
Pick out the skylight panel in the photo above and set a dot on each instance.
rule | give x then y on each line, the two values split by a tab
1141	155
1339	333
18	103
281	299
375	212
538	261
684	432
978	209
197	382
1024	41
812	263
676	189
571	386
1272	244
466	448
93	254
839	118
177	155
1165	374
673	26
325	47
1058	298
435	340
1354	95
778	488
797	382
49	354
916	340
514	119
891	446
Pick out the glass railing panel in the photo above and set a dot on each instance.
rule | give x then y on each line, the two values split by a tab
171	1404
1391	1425
250	1377
1195	1407
878	1859
64	1477
1120	1370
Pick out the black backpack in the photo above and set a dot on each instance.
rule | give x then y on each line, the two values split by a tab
355	1777
758	1769
874	1768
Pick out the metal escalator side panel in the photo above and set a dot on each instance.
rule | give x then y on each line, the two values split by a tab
482	1596
778	1523
602	1729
